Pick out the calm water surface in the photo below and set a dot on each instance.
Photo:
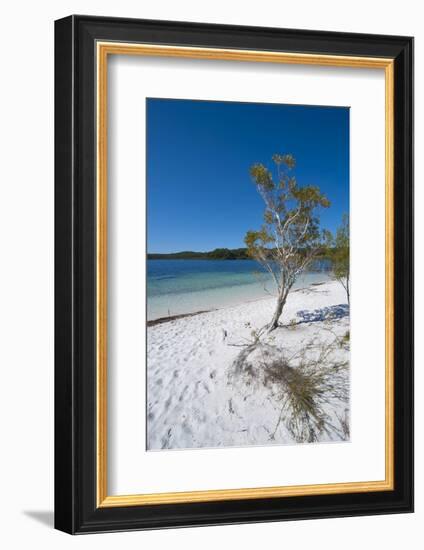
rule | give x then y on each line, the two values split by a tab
186	286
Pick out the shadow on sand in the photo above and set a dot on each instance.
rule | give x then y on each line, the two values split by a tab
323	314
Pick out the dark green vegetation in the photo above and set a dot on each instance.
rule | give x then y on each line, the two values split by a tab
223	254
217	254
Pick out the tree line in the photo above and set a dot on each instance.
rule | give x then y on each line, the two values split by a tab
324	253
216	254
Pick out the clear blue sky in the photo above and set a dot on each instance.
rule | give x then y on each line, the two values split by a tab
199	192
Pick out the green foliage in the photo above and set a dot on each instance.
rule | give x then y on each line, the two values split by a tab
337	250
262	176
290	235
287	159
228	254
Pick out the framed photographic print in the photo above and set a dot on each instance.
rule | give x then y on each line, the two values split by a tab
234	270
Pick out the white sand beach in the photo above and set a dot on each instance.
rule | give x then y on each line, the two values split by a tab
199	397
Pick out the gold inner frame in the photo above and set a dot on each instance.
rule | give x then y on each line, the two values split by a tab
104	49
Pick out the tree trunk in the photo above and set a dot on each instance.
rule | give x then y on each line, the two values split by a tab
281	300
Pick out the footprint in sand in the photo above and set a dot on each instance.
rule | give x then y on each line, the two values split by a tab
183	393
166	440
201	385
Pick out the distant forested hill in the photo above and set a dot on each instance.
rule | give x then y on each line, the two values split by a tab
221	254
217	254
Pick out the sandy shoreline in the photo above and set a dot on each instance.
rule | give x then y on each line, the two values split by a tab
183	294
194	398
160	320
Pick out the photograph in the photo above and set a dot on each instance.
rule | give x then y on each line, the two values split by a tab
233	272
247	274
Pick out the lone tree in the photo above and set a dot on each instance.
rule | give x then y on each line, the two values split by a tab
338	253
290	235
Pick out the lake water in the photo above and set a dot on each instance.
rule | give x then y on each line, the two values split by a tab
187	286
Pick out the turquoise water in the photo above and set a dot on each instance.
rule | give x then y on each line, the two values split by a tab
187	286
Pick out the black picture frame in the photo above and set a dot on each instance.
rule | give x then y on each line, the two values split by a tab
76	510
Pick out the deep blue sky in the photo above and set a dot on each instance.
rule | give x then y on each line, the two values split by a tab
199	192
